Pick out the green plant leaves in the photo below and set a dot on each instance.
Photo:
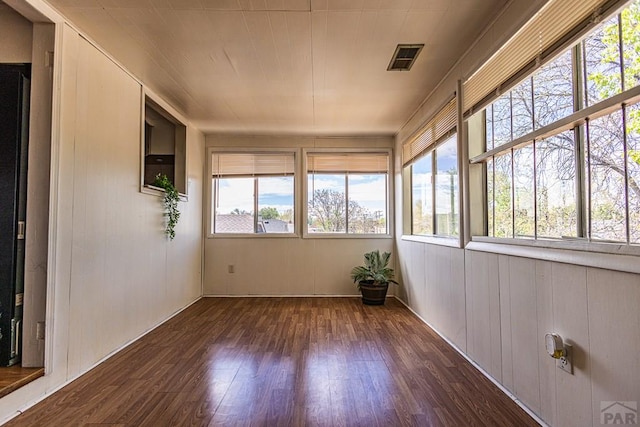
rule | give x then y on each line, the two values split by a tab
374	269
171	199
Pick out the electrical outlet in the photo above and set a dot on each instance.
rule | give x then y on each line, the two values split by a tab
565	362
231	269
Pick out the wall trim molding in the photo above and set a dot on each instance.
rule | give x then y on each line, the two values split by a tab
607	261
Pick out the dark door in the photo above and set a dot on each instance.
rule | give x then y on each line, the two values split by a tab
14	117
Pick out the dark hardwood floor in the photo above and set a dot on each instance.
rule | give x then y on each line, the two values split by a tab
14	377
283	362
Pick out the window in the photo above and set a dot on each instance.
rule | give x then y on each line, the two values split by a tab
347	193
561	148
431	163
435	196
164	147
253	193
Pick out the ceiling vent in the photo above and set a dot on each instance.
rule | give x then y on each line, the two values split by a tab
404	57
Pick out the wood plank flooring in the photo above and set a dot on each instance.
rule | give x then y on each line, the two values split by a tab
14	377
283	362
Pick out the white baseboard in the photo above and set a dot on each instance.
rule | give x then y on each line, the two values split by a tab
280	296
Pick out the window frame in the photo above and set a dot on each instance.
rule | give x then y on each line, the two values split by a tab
346	235
452	134
577	122
148	99
210	197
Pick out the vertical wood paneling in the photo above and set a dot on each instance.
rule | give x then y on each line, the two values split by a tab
494	318
546	364
433	286
572	323
437	285
457	311
300	262
483	326
505	322
334	260
524	331
62	185
286	266
402	264
118	259
420	272
107	121
614	332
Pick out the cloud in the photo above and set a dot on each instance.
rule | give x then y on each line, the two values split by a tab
277	186
326	182
237	193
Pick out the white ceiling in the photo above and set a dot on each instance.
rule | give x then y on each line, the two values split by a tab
285	66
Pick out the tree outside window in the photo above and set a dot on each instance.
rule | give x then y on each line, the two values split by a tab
595	195
347	193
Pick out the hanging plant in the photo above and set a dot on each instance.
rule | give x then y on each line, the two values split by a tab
171	199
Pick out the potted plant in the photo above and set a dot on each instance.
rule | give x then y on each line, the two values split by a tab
373	277
171	199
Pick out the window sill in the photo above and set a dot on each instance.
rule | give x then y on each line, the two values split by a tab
345	236
157	191
452	242
252	236
610	256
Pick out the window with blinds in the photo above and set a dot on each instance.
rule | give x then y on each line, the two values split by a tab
439	128
431	164
555	25
252	164
347	192
253	192
560	149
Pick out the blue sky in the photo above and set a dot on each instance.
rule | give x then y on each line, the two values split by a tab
237	193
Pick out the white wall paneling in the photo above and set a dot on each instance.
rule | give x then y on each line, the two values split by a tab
521	282
613	301
121	260
547	370
433	286
511	302
112	274
285	266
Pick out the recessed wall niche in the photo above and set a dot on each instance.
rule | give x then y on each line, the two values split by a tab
163	146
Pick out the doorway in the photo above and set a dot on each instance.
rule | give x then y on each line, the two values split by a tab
15	88
26	90
15	84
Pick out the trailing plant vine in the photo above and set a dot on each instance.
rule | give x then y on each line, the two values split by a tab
171	199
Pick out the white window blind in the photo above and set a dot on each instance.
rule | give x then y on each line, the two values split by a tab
553	22
441	124
252	164
347	162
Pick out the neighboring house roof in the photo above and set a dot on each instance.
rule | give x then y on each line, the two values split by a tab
243	223
234	223
274	226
